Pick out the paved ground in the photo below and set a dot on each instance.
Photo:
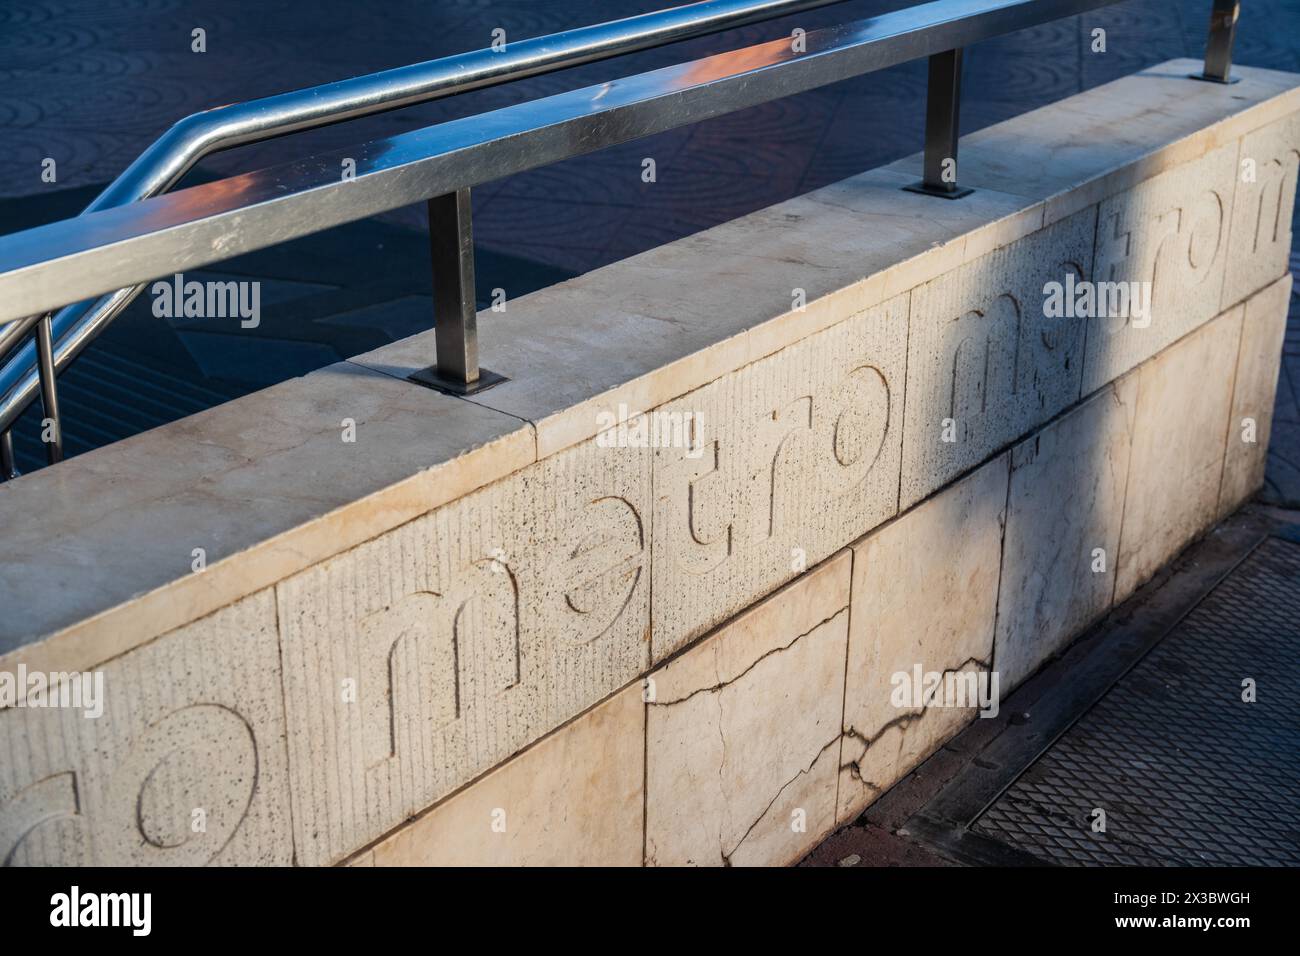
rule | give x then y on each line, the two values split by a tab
92	84
1188	772
1143	719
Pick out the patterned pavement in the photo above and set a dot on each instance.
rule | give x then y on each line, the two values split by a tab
1188	773
90	83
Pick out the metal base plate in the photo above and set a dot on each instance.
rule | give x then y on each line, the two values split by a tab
927	190
1210	79
430	378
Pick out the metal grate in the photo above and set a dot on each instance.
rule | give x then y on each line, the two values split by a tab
1187	773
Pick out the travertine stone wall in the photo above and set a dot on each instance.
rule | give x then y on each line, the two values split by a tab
754	710
575	799
984	364
925	590
1269	160
499	631
1179	441
783	722
1249	426
792	455
187	764
1170	231
1065	507
437	650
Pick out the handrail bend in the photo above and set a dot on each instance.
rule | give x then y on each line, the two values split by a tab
937	29
174	153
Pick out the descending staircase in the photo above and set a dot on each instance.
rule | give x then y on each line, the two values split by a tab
107	397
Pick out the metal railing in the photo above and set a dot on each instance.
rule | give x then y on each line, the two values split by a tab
134	231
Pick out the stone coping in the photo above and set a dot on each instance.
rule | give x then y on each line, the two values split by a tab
99	550
267	486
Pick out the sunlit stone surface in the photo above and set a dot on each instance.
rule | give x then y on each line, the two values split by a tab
395	633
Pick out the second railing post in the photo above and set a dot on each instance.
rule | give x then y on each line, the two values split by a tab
455	321
52	426
942	128
1218	46
8	466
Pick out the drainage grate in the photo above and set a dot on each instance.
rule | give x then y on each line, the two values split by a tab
1186	772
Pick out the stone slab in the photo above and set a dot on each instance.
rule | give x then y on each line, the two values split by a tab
791	458
1259	242
1169	234
1064	512
985	363
417	661
1179	436
742	732
576	798
98	554
1255	385
924	596
185	766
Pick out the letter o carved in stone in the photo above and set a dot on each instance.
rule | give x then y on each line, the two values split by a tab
1206	235
863	421
202	757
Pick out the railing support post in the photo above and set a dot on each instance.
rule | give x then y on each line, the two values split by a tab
455	321
49	388
1218	46
8	467
942	128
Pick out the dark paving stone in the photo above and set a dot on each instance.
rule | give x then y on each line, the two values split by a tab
870	845
1187	772
1282	475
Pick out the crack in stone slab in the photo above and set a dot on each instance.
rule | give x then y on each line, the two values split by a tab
726	856
902	721
714	688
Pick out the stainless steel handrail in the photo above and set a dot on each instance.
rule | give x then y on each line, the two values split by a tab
716	85
163	164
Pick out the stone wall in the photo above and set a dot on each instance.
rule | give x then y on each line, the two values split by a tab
501	631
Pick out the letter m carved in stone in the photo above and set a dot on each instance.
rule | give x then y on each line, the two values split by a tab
984	372
429	659
1268	209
